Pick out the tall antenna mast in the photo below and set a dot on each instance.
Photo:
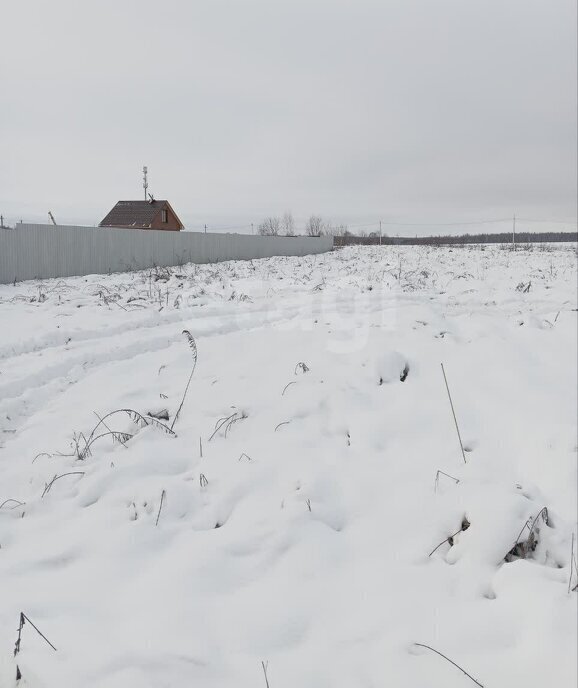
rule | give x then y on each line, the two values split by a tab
145	184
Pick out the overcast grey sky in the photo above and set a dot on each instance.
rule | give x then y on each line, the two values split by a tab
408	110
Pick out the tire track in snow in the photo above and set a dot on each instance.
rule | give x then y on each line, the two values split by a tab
30	382
35	383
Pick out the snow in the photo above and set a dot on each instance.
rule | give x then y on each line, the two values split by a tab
300	537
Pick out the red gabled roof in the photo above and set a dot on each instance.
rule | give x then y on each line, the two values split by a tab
138	214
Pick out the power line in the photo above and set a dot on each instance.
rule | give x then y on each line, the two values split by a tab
430	224
449	224
443	224
220	227
549	222
369	224
458	224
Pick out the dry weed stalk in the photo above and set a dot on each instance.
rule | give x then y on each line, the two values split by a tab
193	347
228	422
436	483
454	413
57	477
23	620
451	662
163	493
450	540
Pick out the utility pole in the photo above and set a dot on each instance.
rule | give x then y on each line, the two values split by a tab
1	221
514	233
380	232
205	229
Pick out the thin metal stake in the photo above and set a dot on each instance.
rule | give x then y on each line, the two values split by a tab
454	414
514	234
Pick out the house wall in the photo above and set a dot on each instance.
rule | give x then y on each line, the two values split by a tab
45	251
171	224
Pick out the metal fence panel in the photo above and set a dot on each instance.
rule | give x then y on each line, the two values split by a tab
44	251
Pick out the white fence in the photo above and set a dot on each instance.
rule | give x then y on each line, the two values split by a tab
43	251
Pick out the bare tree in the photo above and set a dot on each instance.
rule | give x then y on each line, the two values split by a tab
288	224
269	227
314	226
337	230
341	230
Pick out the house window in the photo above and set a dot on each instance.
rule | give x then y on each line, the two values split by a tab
164	216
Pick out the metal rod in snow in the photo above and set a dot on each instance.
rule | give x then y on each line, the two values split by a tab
514	233
380	232
454	414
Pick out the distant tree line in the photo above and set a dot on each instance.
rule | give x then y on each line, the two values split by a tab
342	236
348	238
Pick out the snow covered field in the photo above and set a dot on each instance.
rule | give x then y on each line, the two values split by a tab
292	520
